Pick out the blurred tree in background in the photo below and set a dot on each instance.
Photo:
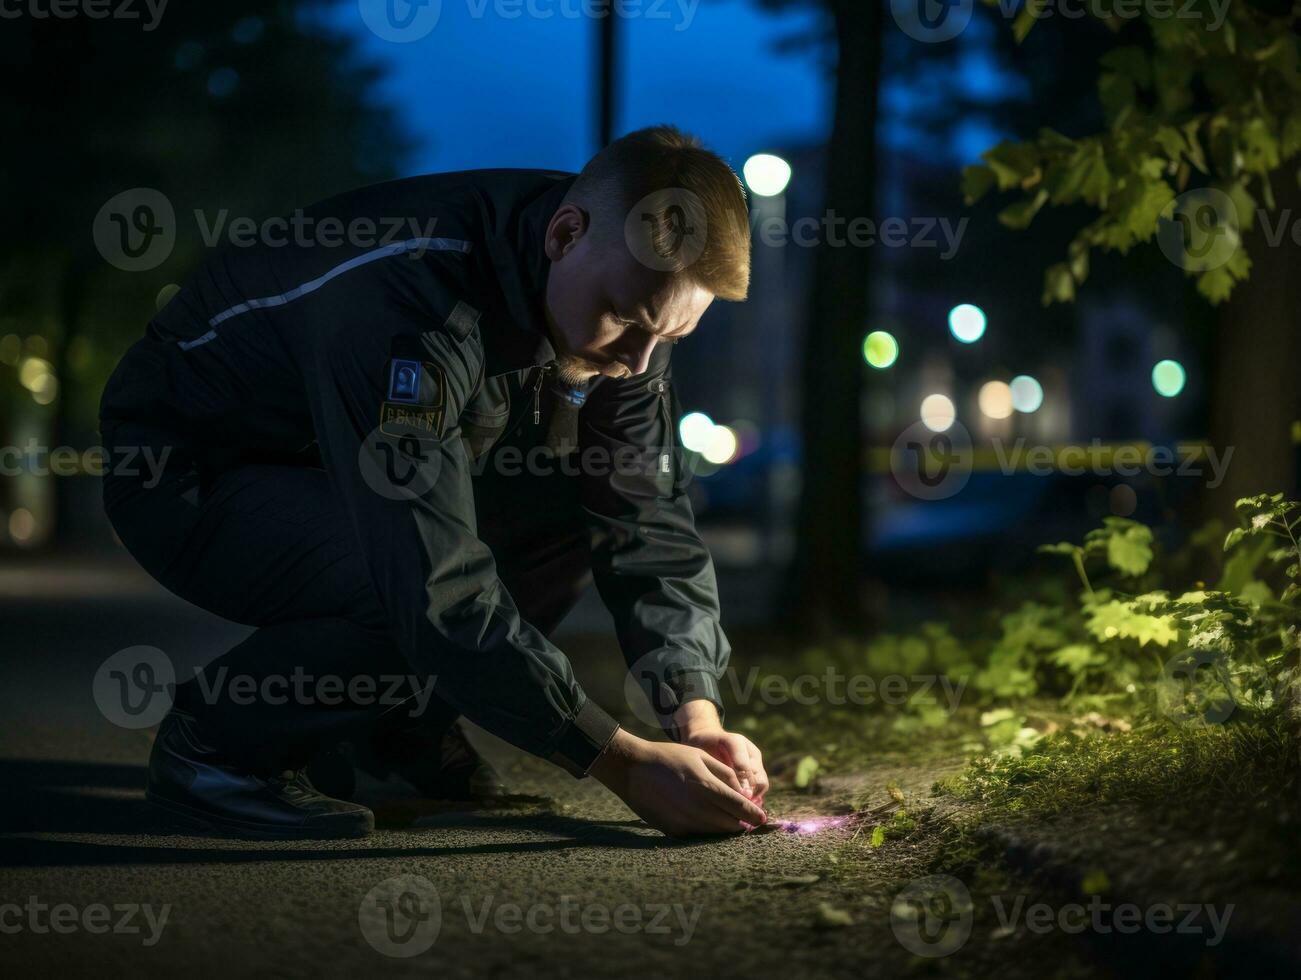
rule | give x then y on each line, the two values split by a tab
1142	108
1198	149
823	588
250	107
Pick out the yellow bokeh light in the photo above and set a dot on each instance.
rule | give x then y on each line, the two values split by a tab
32	370
22	525
46	390
995	399
721	446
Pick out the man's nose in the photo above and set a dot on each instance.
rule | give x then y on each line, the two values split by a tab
640	353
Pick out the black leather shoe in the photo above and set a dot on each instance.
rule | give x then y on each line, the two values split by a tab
440	766
188	779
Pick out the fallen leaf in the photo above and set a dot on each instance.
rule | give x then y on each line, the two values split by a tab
830	917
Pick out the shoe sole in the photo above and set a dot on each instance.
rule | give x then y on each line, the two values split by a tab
248	830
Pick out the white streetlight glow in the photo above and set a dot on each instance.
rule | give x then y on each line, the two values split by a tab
694	431
766	174
967	322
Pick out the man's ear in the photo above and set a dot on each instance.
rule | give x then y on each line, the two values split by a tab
566	228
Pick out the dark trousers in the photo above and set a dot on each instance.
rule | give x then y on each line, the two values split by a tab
265	543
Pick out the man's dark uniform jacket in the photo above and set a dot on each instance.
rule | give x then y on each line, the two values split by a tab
423	357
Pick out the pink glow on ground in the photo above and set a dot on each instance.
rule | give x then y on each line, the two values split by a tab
811	825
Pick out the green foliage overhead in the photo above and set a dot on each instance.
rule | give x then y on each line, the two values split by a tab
1190	103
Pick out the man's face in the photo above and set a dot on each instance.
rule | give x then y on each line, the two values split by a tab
606	310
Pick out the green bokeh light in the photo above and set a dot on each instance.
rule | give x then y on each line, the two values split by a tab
880	349
1168	378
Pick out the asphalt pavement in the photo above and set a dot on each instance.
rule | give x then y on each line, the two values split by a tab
561	881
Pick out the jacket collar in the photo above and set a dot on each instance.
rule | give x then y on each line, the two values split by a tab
522	339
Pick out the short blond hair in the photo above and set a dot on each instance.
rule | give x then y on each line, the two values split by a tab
674	167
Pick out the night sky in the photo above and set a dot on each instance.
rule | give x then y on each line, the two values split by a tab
492	91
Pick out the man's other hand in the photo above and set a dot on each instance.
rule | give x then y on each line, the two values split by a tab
699	725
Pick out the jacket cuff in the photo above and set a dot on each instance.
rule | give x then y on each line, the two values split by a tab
583	740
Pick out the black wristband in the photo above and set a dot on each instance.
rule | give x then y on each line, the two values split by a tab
584	739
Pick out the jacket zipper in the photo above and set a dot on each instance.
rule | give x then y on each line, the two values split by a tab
537	392
661	387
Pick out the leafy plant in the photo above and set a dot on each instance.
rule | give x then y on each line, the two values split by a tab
1186	103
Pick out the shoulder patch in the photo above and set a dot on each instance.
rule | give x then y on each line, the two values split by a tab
416	402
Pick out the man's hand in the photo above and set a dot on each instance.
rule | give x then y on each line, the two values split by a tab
700	727
676	788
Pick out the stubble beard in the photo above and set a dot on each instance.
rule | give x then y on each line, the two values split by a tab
575	371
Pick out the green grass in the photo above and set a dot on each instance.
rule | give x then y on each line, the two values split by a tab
1156	764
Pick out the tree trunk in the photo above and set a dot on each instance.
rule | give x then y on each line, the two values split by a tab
1255	395
824	590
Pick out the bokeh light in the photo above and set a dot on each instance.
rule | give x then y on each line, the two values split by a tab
721	447
767	175
880	349
995	399
938	412
1027	393
22	525
717	444
1168	378
1122	500
967	322
694	430
32	373
46	390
